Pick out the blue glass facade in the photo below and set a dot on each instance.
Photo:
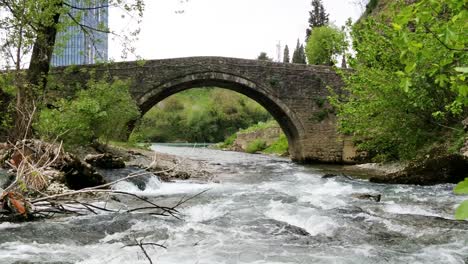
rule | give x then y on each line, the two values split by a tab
81	45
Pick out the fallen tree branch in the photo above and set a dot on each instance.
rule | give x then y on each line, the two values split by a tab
141	245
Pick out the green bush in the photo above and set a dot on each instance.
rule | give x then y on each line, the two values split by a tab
101	112
408	87
278	147
324	44
228	142
255	146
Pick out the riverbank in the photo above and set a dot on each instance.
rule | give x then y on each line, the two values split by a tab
264	137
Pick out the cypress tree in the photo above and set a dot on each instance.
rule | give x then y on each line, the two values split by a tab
302	56
286	58
299	54
318	17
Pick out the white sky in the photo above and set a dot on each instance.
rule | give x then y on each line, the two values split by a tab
229	28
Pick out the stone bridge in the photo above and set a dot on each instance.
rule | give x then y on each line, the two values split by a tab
294	94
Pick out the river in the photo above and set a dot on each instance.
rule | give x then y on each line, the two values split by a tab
262	210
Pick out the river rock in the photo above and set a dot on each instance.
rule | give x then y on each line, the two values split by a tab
367	196
451	168
79	174
4	153
6	178
464	149
465	124
105	161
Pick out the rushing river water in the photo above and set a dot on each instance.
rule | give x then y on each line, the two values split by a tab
263	210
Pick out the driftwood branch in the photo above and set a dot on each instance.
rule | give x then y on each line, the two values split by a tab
141	245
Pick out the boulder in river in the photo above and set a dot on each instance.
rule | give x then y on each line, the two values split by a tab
105	161
79	174
367	196
450	168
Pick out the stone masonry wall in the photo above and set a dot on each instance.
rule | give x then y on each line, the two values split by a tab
295	94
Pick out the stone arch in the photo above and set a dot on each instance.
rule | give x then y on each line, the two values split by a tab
286	118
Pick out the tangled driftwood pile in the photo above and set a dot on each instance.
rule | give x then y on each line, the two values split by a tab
48	181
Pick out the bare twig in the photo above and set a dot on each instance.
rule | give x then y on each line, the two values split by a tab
141	245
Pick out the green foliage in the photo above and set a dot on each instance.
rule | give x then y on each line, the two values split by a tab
408	83
320	115
324	44
259	126
462	211
199	115
256	146
278	147
286	58
299	54
264	57
457	141
371	6
100	112
462	187
320	102
228	142
318	17
7	84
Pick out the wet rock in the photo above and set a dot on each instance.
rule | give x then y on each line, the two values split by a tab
464	149
6	178
367	196
4	153
78	174
465	124
296	230
105	161
169	167
56	188
329	175
451	168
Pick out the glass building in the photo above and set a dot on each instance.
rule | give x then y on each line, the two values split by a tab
78	45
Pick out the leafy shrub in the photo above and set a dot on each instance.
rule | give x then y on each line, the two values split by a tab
324	44
259	126
462	210
278	147
255	146
100	112
228	142
408	85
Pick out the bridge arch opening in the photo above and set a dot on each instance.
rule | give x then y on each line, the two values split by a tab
280	112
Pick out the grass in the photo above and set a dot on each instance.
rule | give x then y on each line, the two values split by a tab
259	126
129	144
256	146
278	147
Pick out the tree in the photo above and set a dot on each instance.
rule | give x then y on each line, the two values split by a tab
100	111
408	88
324	44
264	57
286	58
318	17
28	29
298	54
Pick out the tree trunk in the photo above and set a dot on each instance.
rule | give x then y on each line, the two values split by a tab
36	78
